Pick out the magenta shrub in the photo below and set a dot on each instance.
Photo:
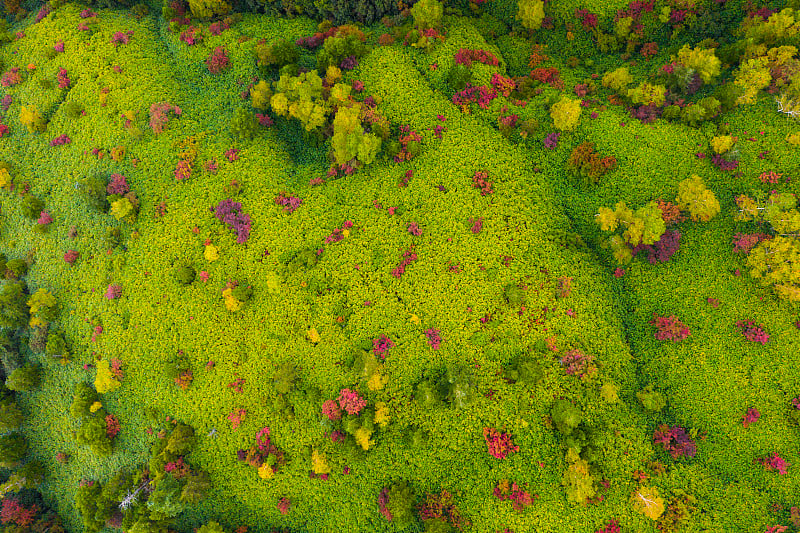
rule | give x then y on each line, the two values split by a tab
752	332
218	61
675	440
669	328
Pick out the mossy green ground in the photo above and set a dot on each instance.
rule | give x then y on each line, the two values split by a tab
710	379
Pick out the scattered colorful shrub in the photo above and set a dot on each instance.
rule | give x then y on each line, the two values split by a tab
675	440
669	328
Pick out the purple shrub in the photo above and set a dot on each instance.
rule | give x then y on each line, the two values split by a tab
669	328
230	213
661	250
218	61
433	338
723	164
675	440
118	185
381	345
289	203
752	332
551	141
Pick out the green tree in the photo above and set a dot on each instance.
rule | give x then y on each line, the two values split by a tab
92	433
208	8
13	311
566	113
85	396
164	501
530	13
196	487
24	379
693	196
349	140
13	447
427	14
11	417
566	416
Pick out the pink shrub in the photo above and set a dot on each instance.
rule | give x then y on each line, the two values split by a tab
351	402
774	463
499	444
159	115
331	409
669	328
218	61
71	256
751	416
118	185
183	171
752	332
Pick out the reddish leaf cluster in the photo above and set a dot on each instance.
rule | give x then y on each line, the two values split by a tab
548	75
13	512
62	78
752	415
407	136
381	345
723	164
770	177
218	61
536	57
744	242
351	402
752	332
588	19
675	440
71	256
408	257
520	499
648	50
578	364
383	504
480	95
774	463
502	84
670	212
112	426
331	410
662	249
499	444
289	203
481	181
184	379
434	339
669	328
337	234
589	163
611	527
11	77
441	506
466	56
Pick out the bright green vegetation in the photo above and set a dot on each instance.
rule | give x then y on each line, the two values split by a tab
165	323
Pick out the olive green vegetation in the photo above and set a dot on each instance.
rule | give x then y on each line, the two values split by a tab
536	226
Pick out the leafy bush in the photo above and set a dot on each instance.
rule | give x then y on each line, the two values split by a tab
32	207
92	433
530	13
208	8
244	125
11	417
24	379
32	119
566	113
13	447
427	14
85	396
13	311
566	416
693	196
652	400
